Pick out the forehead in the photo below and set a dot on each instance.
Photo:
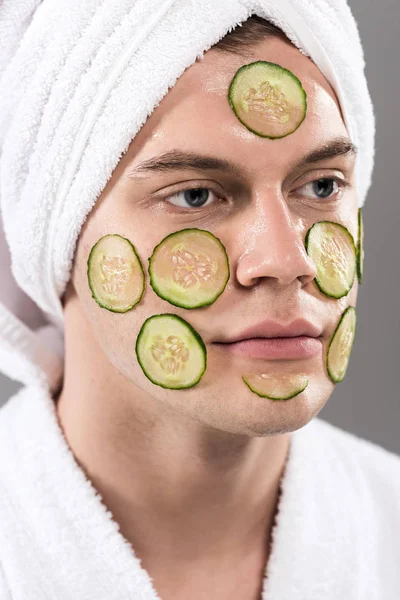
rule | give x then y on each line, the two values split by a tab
196	114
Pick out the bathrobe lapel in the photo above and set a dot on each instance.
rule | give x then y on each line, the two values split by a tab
58	540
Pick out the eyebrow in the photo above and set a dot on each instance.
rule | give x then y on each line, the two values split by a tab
177	160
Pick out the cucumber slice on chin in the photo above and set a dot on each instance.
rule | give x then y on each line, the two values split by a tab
189	268
276	386
170	352
115	273
341	345
332	248
360	247
268	99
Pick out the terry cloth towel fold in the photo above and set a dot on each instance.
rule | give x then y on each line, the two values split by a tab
336	534
75	90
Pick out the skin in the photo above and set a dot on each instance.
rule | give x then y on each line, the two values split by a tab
206	460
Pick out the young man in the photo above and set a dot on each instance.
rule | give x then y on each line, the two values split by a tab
196	479
196	473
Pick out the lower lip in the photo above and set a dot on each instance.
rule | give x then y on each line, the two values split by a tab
275	348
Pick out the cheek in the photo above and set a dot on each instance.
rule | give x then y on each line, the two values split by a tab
353	294
115	333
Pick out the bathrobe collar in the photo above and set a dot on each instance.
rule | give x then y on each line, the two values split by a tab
62	541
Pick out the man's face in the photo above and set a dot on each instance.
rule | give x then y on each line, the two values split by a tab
261	211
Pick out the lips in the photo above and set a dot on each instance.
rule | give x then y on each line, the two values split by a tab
273	329
274	348
273	340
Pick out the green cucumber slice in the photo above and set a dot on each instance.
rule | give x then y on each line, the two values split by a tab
171	352
276	386
332	248
189	268
115	274
341	344
360	247
268	99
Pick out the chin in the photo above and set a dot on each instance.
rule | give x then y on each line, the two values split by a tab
251	415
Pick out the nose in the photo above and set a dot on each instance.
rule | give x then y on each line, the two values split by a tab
273	245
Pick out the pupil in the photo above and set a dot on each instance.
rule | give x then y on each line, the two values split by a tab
323	187
196	197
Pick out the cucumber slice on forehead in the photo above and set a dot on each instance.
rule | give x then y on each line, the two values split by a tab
332	248
115	274
189	268
170	352
360	247
276	386
341	345
268	99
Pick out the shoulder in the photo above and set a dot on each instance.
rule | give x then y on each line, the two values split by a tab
22	392
5	593
371	468
22	501
13	408
6	458
363	451
12	415
17	420
11	431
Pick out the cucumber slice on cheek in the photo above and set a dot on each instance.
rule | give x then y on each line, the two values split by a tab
276	386
341	345
332	248
268	99
115	274
170	352
189	268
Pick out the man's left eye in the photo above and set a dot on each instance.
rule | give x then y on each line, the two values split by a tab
322	188
192	197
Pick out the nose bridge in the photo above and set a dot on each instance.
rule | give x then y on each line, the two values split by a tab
280	223
274	245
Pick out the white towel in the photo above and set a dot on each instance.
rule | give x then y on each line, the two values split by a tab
336	534
75	90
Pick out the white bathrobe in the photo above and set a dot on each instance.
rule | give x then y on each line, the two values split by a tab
336	536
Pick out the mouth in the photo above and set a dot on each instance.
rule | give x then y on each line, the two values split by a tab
270	339
274	348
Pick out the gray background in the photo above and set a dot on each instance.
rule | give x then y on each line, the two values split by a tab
367	401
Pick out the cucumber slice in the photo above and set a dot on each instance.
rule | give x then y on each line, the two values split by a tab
341	344
189	268
268	99
332	248
360	247
115	274
276	386
171	352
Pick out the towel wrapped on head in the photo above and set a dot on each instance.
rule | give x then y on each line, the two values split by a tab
69	71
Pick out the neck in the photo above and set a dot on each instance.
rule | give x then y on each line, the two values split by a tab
163	474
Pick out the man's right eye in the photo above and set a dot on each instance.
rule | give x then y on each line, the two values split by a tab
191	197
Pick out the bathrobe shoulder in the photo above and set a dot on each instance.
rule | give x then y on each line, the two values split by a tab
336	533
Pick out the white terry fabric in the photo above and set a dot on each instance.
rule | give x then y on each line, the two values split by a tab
78	81
335	536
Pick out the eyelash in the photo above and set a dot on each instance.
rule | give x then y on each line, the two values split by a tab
341	183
